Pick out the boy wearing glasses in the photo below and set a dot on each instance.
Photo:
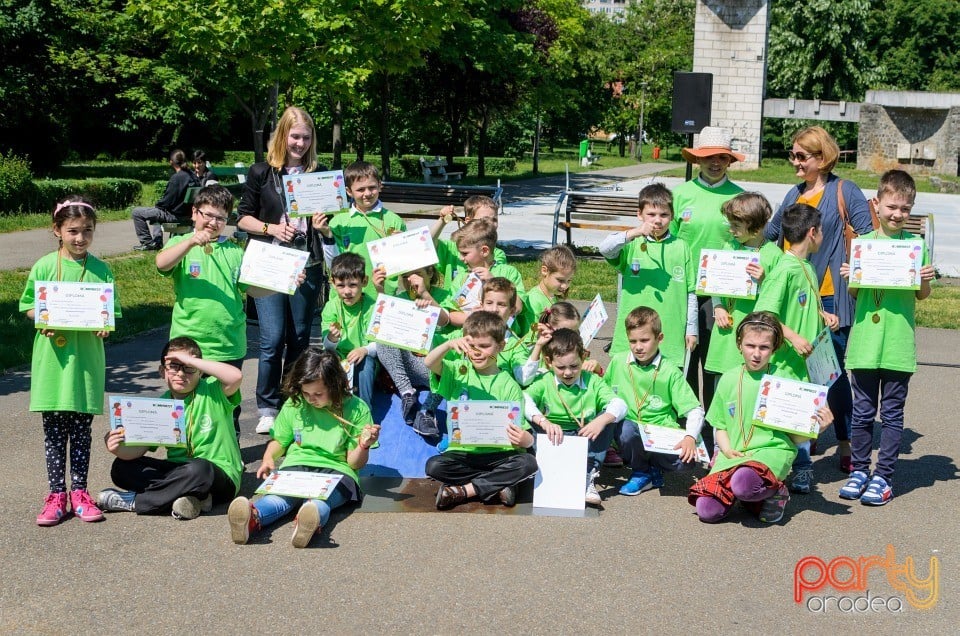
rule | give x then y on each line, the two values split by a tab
191	479
205	266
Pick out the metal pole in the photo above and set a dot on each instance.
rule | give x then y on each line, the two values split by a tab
689	165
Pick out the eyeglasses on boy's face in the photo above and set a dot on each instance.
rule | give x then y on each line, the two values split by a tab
213	218
176	367
801	156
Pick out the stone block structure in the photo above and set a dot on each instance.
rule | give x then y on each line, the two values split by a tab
730	41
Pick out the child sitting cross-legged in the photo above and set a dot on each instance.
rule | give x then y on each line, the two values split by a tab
572	401
753	461
471	471
321	428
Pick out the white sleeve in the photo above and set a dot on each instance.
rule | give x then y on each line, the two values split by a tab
329	346
530	410
371	349
617	408
694	422
610	247
330	252
526	372
693	329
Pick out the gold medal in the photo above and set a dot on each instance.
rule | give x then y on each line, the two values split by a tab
61	341
643	247
208	249
876	318
463	369
447	218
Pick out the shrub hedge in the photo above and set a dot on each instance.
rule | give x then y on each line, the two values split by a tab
103	193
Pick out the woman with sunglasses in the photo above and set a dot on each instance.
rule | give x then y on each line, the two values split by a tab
814	155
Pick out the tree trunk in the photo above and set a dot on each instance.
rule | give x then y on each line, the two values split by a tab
482	145
536	141
337	135
385	129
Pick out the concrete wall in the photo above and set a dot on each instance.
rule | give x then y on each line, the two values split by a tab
730	41
919	140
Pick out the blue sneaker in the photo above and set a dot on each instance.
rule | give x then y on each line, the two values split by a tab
656	477
878	492
638	483
855	485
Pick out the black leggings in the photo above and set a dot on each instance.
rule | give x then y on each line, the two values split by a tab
59	427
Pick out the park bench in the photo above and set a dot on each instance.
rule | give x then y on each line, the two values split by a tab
604	211
435	171
435	195
186	226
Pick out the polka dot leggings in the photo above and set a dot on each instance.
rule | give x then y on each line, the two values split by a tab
58	428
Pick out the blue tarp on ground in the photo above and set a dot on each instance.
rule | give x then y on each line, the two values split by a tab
402	452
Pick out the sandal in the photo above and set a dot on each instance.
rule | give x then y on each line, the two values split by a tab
449	496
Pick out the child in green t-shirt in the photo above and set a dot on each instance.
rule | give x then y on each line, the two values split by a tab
569	400
205	268
467	471
475	207
191	479
656	393
344	321
656	270
475	243
405	367
753	460
792	293
321	428
881	353
367	219
559	315
558	266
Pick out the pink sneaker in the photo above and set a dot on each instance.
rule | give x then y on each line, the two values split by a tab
613	459
54	509
83	506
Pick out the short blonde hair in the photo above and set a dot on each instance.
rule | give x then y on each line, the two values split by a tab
818	141
476	233
277	146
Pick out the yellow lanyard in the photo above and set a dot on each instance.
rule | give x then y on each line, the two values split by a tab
83	269
633	385
579	421
383	225
814	289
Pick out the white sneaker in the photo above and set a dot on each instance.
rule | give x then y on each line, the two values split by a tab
305	525
592	497
265	424
185	508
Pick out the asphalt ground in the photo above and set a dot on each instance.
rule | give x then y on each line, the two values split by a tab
646	564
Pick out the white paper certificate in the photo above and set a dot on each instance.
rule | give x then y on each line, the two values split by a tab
73	306
724	273
403	252
885	264
822	364
398	322
593	319
148	421
560	481
272	266
313	192
468	297
662	439
789	405
303	485
481	422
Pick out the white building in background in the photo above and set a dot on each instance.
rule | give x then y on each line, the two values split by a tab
611	8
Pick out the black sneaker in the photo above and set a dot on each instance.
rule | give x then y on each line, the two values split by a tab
148	247
426	424
409	405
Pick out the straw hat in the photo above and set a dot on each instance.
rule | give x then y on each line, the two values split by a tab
713	140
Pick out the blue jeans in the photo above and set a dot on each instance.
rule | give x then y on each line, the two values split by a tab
890	387
270	508
364	375
803	460
840	396
285	323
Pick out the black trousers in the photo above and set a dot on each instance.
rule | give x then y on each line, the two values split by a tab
158	482
489	472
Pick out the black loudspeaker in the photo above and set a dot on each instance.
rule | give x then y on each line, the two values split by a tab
692	96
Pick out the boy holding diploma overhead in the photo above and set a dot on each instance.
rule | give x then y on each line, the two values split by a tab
475	471
656	393
792	293
191	479
345	319
882	354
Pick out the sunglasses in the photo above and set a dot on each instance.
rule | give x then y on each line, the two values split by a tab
176	367
801	156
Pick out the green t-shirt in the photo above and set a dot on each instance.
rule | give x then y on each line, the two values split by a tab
515	353
210	432
535	301
499	269
210	302
792	292
890	343
352	230
655	394
315	437
665	276
562	404
697	220
732	411
723	353
353	320
460	381
450	264
67	371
